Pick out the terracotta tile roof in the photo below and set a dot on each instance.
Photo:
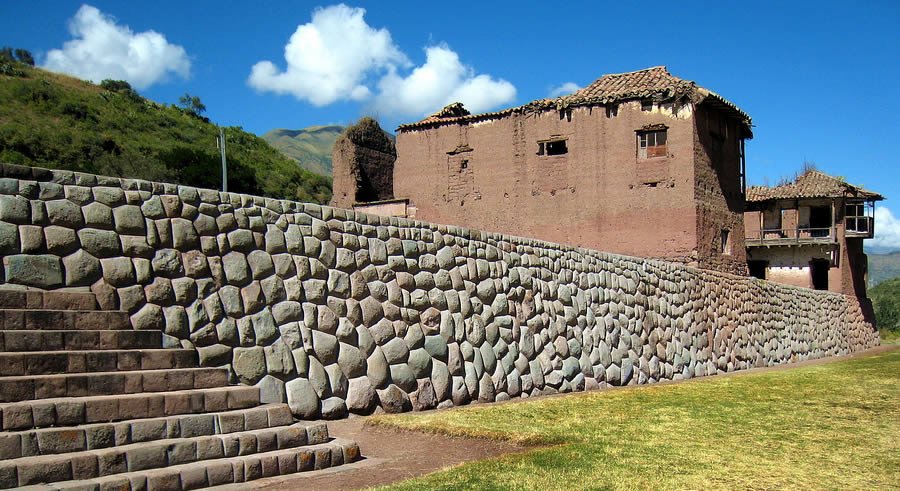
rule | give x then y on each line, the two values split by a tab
810	184
651	83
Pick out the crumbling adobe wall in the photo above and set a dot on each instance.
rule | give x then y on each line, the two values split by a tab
337	311
717	188
362	165
598	195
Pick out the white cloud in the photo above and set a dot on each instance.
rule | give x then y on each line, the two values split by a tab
887	229
337	56
329	58
102	49
564	89
441	80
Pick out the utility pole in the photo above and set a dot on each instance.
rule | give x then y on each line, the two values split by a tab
221	145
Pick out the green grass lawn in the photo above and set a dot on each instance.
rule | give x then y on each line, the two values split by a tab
831	426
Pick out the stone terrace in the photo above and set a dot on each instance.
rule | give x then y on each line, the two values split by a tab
86	402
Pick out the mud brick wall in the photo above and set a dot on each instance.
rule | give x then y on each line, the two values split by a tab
337	311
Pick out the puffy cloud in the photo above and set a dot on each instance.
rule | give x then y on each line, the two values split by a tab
102	49
329	58
887	229
337	56
441	80
564	89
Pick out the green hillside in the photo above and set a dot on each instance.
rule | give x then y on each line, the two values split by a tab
883	267
310	147
56	121
886	300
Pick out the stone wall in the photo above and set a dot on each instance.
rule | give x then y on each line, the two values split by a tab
336	311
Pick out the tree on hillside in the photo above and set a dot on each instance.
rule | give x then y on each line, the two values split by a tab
120	87
24	56
192	104
6	54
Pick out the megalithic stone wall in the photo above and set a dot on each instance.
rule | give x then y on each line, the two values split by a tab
334	310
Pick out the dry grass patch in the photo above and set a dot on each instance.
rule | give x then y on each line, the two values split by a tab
833	426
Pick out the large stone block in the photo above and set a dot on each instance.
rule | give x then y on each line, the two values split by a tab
237	271
15	209
64	213
118	271
41	270
81	268
302	398
129	220
249	364
100	243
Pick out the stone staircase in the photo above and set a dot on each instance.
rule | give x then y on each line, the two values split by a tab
88	403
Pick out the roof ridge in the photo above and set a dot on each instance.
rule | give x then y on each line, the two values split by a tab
638	71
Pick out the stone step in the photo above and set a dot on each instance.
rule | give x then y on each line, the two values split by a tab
40	299
156	454
19	319
213	472
79	340
48	362
71	411
33	387
48	441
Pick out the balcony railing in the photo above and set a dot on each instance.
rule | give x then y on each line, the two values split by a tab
793	236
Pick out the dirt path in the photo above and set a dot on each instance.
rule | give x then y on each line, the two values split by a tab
393	455
390	455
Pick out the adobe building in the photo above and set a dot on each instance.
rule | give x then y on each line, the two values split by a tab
363	157
641	163
810	233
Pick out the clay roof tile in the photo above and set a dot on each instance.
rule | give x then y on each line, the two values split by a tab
811	184
654	83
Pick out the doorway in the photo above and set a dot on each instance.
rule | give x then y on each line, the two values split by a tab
818	271
757	269
820	221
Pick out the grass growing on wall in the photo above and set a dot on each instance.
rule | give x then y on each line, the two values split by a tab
833	426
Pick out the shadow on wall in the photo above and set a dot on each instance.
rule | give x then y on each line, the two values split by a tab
336	311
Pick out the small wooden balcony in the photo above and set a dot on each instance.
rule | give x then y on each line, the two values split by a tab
791	237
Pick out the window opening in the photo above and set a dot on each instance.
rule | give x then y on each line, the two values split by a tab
652	144
725	241
463	164
646	105
858	217
557	147
820	221
553	147
612	110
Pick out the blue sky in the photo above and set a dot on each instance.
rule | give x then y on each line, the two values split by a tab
818	78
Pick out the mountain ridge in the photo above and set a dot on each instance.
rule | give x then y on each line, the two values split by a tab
309	147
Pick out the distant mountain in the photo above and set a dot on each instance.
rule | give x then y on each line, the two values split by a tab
310	147
883	267
56	121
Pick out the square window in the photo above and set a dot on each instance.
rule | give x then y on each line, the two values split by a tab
557	147
652	144
553	147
